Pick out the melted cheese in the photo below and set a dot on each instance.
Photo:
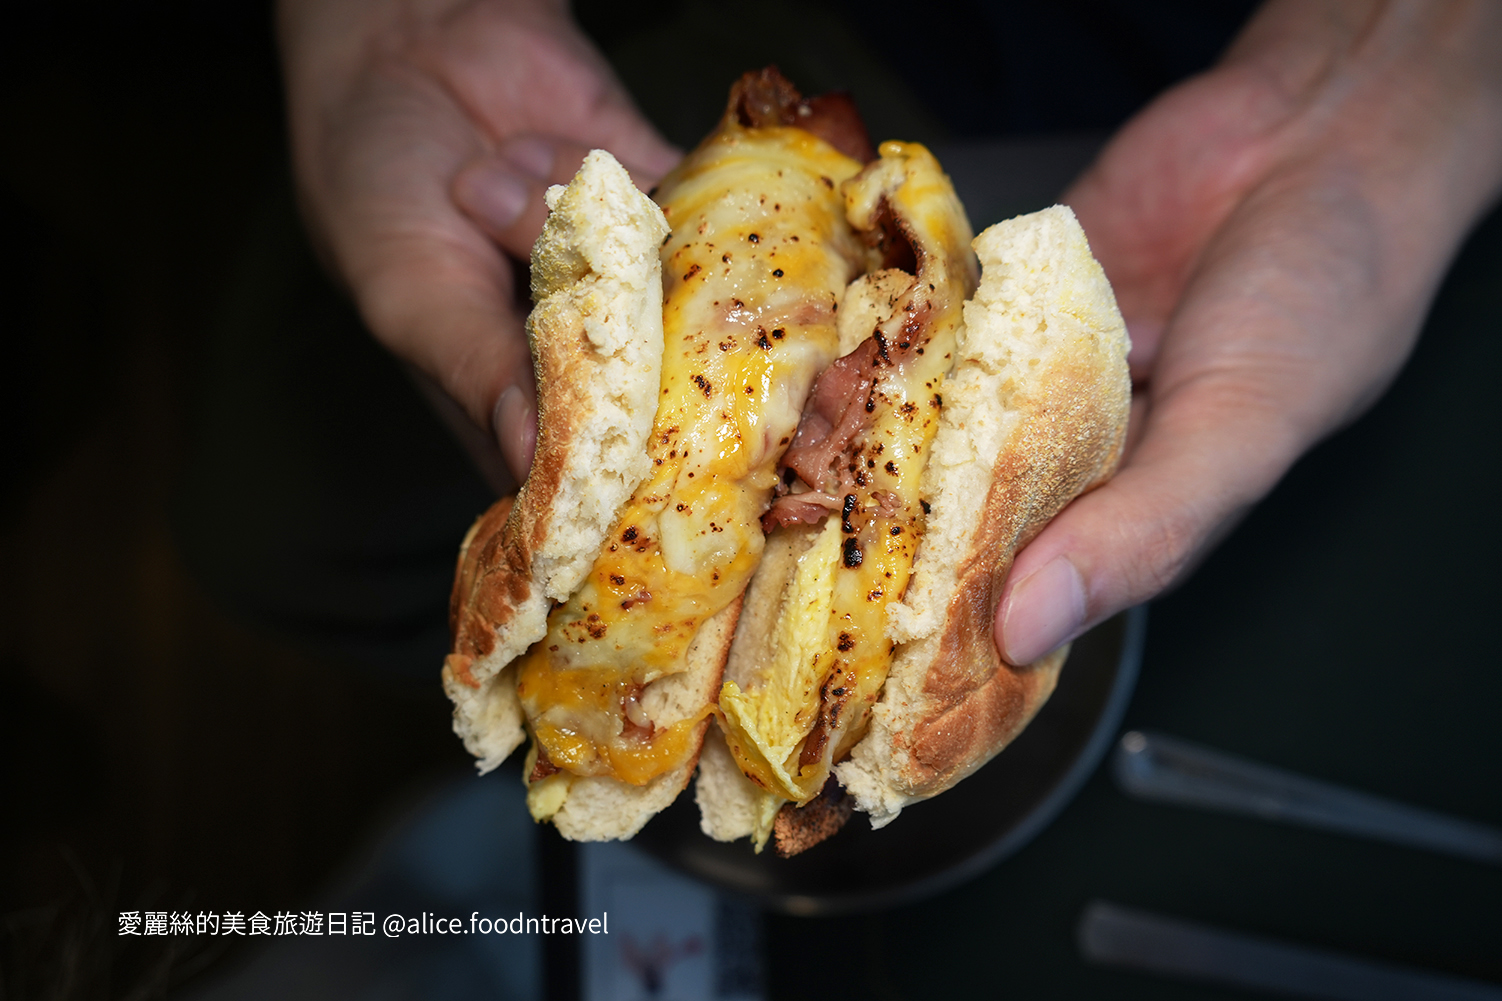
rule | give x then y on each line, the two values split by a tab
811	704
759	253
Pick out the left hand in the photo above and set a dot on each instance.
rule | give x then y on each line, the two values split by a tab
424	135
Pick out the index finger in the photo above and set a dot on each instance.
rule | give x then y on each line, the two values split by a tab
502	192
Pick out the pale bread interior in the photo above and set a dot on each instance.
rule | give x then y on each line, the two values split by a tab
597	285
596	271
728	801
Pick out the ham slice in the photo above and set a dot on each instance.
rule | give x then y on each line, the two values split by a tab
799	509
843	402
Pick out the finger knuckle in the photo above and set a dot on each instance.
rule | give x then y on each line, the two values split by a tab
1168	544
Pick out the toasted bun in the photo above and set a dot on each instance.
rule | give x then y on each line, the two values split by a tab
596	335
1035	413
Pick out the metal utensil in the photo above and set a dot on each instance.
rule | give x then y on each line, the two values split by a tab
1111	935
1163	769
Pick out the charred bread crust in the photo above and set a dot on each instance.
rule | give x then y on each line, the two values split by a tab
799	828
596	338
487	714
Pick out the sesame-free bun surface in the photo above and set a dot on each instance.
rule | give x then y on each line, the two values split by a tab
1035	413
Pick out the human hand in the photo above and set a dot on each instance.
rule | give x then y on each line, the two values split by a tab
1275	230
424	135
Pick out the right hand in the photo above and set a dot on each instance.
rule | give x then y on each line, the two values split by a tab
1275	230
423	138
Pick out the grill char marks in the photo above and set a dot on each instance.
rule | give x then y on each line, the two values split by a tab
860	451
841	407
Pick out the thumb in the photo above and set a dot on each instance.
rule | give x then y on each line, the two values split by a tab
1198	467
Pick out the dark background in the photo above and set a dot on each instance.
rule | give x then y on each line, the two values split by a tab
226	524
160	747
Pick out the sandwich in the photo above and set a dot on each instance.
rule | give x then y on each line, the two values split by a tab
790	436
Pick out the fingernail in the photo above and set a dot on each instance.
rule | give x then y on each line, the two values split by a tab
1044	611
495	194
516	429
531	156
